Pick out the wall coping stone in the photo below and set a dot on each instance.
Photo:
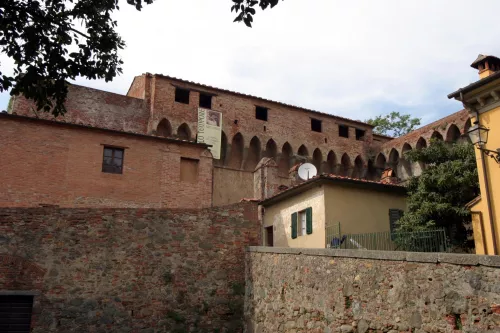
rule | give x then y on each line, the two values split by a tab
424	257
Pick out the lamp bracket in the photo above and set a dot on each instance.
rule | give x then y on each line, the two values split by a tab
494	154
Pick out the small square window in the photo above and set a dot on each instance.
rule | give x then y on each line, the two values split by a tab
182	95
205	101
302	223
189	170
112	161
343	131
315	125
261	113
360	134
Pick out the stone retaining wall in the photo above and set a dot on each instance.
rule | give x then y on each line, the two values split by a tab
129	270
305	290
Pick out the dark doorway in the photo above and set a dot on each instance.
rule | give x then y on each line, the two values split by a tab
15	313
269	236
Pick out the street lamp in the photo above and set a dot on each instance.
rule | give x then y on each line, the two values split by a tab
479	136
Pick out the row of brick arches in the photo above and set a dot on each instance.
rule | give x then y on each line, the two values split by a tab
237	154
404	169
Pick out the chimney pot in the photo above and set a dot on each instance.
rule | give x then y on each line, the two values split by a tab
486	65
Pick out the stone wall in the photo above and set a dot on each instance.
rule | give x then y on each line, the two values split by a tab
129	270
306	290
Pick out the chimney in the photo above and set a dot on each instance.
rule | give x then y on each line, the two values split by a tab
486	65
389	177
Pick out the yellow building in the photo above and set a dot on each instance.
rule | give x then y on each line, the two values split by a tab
482	100
301	215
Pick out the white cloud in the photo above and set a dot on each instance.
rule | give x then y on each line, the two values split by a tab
351	58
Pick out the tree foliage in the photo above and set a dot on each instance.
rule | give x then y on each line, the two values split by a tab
52	41
246	9
438	196
394	124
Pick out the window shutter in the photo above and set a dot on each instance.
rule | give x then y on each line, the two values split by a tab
309	220
294	225
394	216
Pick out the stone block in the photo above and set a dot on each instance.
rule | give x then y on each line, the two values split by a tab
459	259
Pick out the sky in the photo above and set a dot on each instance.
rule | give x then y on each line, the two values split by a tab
356	59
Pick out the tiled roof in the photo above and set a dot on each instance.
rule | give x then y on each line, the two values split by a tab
260	98
332	177
88	126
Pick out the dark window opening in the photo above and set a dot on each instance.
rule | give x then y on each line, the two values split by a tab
360	134
394	216
15	313
205	101
112	161
269	236
261	113
182	95
343	131
315	125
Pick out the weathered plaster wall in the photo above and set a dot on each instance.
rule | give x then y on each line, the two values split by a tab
279	216
230	186
483	229
360	209
129	270
306	290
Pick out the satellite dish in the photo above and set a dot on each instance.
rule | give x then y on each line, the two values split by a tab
307	171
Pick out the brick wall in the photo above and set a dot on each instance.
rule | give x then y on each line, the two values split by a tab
94	107
44	162
129	270
305	290
285	123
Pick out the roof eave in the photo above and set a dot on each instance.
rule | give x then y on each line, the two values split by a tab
473	86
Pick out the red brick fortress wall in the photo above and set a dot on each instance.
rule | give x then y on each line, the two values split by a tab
129	270
44	162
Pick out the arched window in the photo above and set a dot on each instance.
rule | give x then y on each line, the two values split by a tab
345	165
317	159
407	170
453	134
437	136
331	162
183	132
394	160
253	156
285	162
358	168
164	128
236	157
271	149
303	152
421	143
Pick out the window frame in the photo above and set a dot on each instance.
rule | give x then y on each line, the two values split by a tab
316	122
347	131
180	100
302	223
362	137
261	110
209	97
106	168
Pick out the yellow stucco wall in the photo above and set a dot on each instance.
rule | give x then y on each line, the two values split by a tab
491	120
360	210
279	215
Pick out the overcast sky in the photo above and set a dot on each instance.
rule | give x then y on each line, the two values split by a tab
356	59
